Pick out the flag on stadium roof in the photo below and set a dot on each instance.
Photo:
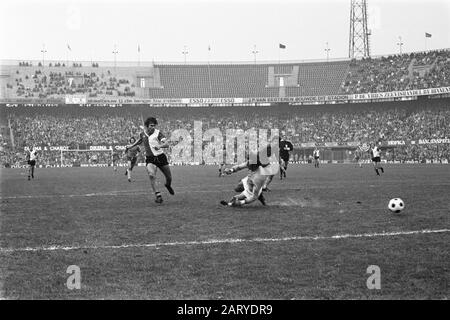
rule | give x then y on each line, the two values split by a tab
427	35
139	48
68	47
282	46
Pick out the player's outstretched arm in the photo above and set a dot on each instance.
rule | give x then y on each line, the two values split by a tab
236	168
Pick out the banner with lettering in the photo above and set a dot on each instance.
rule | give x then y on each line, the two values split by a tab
350	144
202	101
399	94
75	99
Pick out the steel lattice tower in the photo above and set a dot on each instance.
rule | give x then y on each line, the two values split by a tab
358	42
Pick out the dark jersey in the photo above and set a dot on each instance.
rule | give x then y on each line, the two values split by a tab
132	152
285	148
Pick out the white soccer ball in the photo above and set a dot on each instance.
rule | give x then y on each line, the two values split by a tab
396	205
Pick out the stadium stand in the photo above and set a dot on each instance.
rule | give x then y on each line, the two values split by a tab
389	73
370	122
399	72
340	123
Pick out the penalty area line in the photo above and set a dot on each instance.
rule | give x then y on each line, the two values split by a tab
223	241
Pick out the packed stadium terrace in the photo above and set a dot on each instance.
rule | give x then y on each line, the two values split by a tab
77	127
389	73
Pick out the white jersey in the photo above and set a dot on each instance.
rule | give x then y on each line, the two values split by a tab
249	188
316	153
271	169
150	141
376	152
33	155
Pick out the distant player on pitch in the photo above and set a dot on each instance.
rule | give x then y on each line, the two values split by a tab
131	157
221	170
358	158
31	161
316	154
154	142
285	147
376	159
115	159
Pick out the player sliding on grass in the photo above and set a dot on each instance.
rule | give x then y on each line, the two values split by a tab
131	157
251	186
154	141
246	188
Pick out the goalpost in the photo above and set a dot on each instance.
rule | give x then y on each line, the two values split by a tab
102	156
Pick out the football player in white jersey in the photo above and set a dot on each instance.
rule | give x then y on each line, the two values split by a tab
246	189
31	160
316	154
376	159
154	141
254	182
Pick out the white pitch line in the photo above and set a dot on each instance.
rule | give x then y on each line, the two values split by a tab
145	192
222	241
99	194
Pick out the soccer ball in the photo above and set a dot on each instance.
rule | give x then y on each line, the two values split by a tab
396	205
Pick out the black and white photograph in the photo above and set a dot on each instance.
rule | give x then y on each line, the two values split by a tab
237	152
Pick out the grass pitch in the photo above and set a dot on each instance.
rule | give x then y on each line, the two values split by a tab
191	247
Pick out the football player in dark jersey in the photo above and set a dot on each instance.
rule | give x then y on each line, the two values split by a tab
285	147
131	157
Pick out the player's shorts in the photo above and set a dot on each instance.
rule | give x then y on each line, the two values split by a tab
159	160
285	160
316	158
32	162
376	159
133	160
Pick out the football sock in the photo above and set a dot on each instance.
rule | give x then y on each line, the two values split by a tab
376	170
262	199
382	170
169	188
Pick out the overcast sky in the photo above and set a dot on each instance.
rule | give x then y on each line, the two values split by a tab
231	28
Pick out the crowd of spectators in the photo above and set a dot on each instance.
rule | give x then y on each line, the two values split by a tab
419	70
25	64
321	126
54	84
56	64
